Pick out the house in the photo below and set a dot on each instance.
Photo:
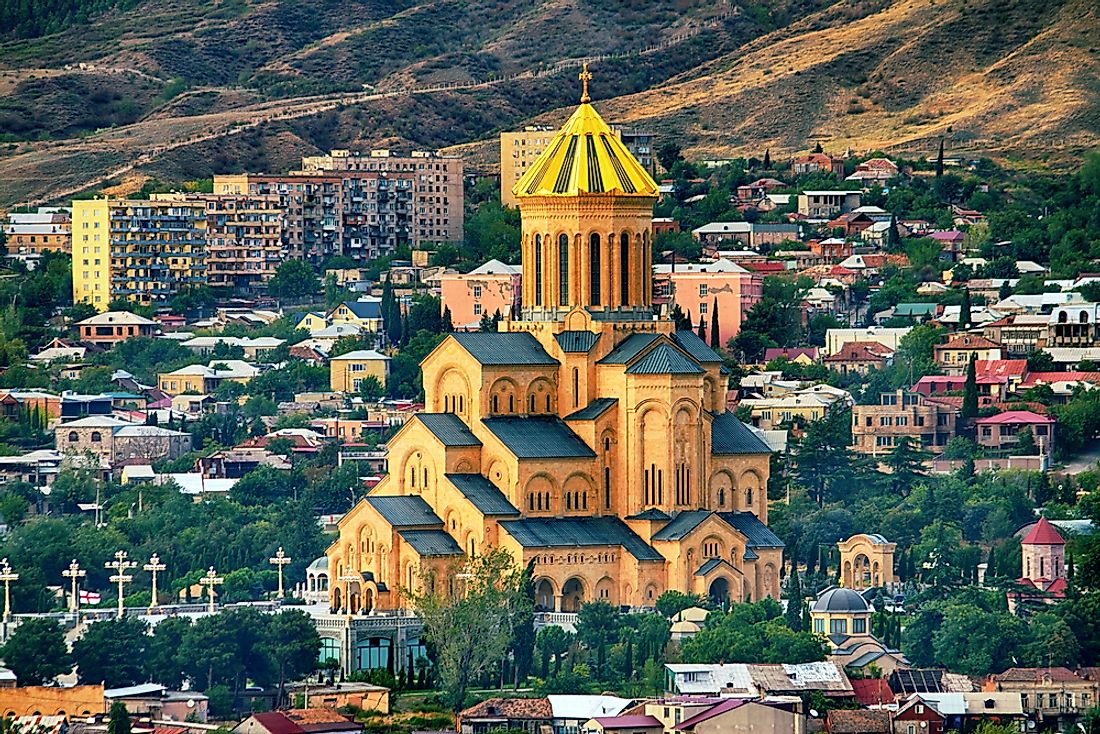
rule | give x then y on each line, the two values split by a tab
625	724
1002	432
252	348
1062	384
116	440
952	242
739	715
753	235
858	721
1054	695
310	321
917	716
110	327
202	379
365	313
61	349
157	702
928	680
954	356
491	288
362	696
959	711
1018	334
758	189
347	371
877	429
16	402
531	715
817	163
854	223
875	171
571	713
770	413
827	204
236	462
794	355
859	358
874	693
700	288
1074	326
755	681
298	721
843	617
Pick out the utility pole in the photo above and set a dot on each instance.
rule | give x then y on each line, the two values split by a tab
7	576
74	573
279	560
153	566
210	580
120	566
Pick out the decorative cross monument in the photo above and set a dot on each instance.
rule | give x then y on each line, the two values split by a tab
210	580
153	566
585	76
120	566
279	560
7	576
74	573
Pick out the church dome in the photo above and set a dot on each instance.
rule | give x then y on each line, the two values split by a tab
841	601
320	564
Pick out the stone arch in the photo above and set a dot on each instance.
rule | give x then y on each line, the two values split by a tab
719	590
573	594
606	480
541	494
464	467
452	391
683	435
652	429
577	493
504	397
650	595
721	490
541	396
711	394
752	487
605	590
770	582
545	592
712	547
498	475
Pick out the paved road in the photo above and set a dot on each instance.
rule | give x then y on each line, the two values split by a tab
1083	461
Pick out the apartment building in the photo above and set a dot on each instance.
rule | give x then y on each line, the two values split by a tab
142	251
827	204
927	423
32	233
244	240
699	288
494	287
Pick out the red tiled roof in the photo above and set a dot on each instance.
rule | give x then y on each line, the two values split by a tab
966	342
790	353
872	691
1046	378
728	704
765	267
1036	675
860	352
1015	416
276	723
1000	367
949	236
857	721
1043	534
510	708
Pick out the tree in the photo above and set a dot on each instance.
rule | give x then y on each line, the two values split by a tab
36	652
523	626
598	625
672	602
552	642
112	652
119	721
767	159
162	652
715	337
974	641
701	332
822	462
793	615
291	642
668	154
1040	360
752	633
970	391
965	319
469	622
448	321
818	148
293	279
893	236
939	160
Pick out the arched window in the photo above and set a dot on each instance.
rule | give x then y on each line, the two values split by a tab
1084	317
624	268
748	497
563	269
96	437
425	477
73	437
538	270
594	267
576	387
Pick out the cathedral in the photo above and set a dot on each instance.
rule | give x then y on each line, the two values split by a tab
588	436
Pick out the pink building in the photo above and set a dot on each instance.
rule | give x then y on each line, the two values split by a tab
700	287
492	287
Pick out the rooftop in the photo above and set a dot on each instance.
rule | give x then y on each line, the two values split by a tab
538	437
501	349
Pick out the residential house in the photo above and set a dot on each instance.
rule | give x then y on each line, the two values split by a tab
347	371
858	721
203	379
859	358
252	348
572	712
159	703
963	217
234	463
917	716
755	681
874	172
904	682
13	403
886	336
1018	334
1062	384
110	327
298	721
877	429
29	234
952	242
530	715
1046	303
1054	695
1001	432
116	440
740	715
874	693
817	163
1074	326
954	356
311	321
770	413
717	235
758	189
61	349
624	724
365	313
699	288
852	224
827	204
963	711
795	355
358	695
491	288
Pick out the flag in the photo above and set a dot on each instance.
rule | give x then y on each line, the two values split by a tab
89	597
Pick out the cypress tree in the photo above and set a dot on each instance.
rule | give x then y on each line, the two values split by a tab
818	148
970	391
701	332
715	341
387	306
448	321
965	318
893	237
793	615
768	159
939	160
1005	290
628	673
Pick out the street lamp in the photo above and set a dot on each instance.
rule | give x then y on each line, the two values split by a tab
279	560
74	573
210	580
7	576
120	566
153	566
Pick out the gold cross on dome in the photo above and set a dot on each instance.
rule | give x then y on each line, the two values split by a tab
585	76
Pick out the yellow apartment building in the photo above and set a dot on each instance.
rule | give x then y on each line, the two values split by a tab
347	372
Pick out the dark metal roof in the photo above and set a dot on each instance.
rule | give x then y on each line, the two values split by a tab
493	348
431	542
728	435
709	566
690	342
483	494
577	341
448	428
651	514
665	359
681	525
364	309
749	555
538	437
916	680
629	348
404	511
756	533
593	410
580	532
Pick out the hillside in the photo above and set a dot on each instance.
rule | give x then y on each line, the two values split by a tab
183	88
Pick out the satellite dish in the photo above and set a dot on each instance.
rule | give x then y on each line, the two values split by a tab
1031	725
813	713
924	725
190	703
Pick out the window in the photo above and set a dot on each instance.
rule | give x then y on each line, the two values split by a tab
624	268
96	437
702	290
477	291
859	626
563	269
819	626
594	267
838	626
702	309
477	309
538	270
73	437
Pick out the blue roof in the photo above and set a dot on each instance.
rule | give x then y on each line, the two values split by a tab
665	359
538	437
576	341
404	510
749	555
364	309
690	342
756	533
728	435
579	532
483	494
629	348
448	428
593	410
431	542
709	566
682	524
494	348
651	514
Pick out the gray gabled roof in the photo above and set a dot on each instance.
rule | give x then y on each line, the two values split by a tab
664	359
728	435
538	437
651	514
448	428
682	524
494	348
404	511
749	555
709	566
431	542
576	341
483	494
593	410
756	533
579	532
629	348
690	342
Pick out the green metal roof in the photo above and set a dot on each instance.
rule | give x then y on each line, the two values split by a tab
664	359
431	542
579	532
728	435
593	410
483	494
538	437
493	348
404	511
690	342
448	428
682	524
629	348
576	341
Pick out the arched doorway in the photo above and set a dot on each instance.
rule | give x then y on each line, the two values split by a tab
544	596
720	590
572	595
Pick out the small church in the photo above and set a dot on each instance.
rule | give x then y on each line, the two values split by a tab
1043	557
588	437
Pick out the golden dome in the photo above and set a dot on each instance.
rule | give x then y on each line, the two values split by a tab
585	157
